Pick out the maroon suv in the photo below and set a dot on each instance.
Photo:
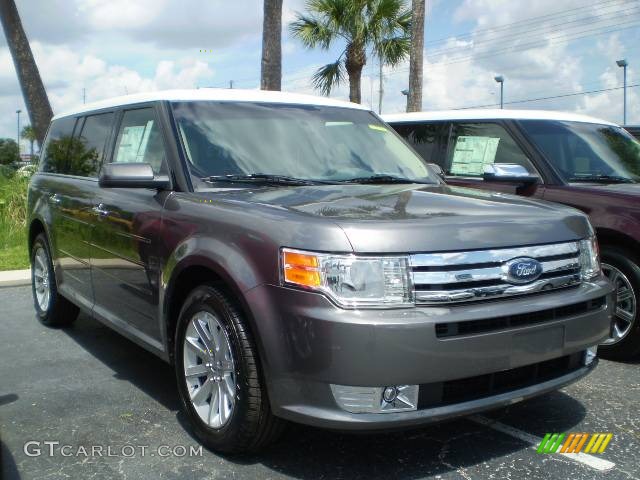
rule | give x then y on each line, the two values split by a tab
580	161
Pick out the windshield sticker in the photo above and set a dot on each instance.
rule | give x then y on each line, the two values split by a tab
378	127
472	154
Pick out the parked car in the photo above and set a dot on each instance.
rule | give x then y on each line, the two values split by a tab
577	160
294	259
633	130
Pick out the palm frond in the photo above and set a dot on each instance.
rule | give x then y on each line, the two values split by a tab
392	51
328	77
312	31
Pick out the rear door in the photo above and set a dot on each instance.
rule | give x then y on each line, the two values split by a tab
473	144
72	160
127	234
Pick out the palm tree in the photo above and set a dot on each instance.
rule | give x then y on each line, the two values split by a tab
414	99
28	133
33	91
271	67
376	27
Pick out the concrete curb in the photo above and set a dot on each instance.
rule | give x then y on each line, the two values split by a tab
15	278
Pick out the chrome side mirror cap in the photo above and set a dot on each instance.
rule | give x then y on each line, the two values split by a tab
509	172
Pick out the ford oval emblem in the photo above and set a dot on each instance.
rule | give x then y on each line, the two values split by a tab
522	270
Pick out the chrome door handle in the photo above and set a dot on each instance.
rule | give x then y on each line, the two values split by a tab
55	199
100	210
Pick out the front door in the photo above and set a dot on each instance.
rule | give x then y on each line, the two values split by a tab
475	144
125	264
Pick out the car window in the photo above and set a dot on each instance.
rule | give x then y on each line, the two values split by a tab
53	158
474	145
583	151
425	138
140	140
87	148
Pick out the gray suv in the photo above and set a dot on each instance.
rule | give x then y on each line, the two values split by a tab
296	260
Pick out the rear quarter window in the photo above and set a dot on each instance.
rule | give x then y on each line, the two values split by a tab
56	145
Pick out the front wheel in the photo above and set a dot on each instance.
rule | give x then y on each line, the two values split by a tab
622	268
217	370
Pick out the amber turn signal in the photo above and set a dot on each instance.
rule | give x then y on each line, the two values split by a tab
301	268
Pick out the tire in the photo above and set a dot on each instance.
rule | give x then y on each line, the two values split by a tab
250	425
51	308
624	268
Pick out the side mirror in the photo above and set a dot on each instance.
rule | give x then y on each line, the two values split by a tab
437	168
131	175
509	173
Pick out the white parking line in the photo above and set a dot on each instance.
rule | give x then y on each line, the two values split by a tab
589	460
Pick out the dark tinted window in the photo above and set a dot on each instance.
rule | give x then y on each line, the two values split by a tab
140	140
87	149
473	145
586	151
56	147
425	138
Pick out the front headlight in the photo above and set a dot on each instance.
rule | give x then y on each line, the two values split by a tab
589	258
351	281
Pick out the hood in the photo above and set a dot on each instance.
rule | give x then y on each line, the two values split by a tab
412	218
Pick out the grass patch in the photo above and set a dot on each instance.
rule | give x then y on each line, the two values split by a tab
13	226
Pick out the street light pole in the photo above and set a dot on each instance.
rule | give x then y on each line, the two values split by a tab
500	80
623	63
18	112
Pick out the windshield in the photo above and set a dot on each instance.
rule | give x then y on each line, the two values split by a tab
297	141
586	151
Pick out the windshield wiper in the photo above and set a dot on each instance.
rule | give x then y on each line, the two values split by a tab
382	179
262	178
601	179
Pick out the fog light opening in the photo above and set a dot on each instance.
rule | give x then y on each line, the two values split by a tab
389	394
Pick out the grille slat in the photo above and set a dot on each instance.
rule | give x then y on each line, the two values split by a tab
475	275
470	327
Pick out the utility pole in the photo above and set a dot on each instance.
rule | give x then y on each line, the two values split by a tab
623	63
231	84
84	95
18	112
380	90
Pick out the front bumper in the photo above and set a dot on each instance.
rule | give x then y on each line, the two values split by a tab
307	344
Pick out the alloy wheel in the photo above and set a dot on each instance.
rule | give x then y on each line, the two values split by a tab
41	278
626	304
209	369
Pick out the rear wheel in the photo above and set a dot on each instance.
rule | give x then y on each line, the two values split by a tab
217	370
622	268
52	309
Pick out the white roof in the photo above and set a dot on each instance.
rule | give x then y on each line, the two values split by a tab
220	94
492	114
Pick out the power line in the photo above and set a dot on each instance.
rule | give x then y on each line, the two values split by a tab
552	97
507	26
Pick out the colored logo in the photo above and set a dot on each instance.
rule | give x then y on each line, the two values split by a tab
522	270
574	442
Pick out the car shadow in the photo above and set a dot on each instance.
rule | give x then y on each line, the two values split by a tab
307	452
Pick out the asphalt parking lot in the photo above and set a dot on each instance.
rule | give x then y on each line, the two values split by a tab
87	386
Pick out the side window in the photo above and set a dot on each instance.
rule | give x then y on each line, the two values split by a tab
53	158
473	145
87	148
140	140
425	138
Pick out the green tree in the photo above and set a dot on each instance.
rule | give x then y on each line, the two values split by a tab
376	27
28	133
9	152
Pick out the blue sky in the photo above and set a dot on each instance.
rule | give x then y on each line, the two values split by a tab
542	48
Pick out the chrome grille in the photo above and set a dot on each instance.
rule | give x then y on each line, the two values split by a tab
482	274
